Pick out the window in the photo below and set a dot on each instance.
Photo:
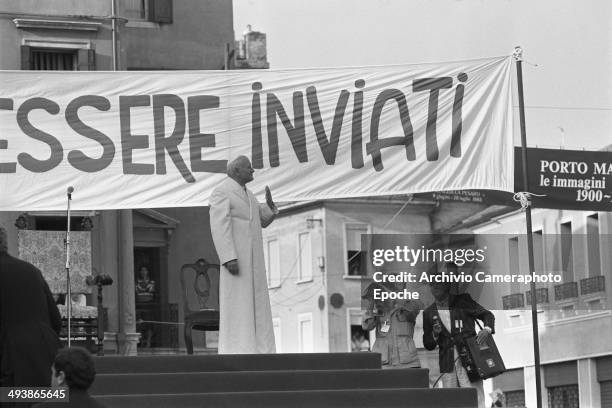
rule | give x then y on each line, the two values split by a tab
512	385
157	11
305	257
515	399
353	329
565	396
594	267
63	58
566	252
160	11
561	381
355	256
272	259
53	60
135	9
276	326
305	333
360	339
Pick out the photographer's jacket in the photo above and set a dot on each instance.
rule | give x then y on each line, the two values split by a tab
463	312
394	333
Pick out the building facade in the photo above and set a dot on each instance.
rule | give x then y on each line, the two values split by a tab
318	269
574	315
316	278
147	35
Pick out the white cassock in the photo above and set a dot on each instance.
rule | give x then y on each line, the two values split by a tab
245	325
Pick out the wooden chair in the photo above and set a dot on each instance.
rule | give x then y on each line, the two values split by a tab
200	287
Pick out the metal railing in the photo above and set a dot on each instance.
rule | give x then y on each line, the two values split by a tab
566	290
513	301
541	296
593	284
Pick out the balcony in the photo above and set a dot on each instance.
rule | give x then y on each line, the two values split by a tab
567	290
513	301
541	296
593	284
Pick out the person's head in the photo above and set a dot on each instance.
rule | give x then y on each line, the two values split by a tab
143	272
73	367
3	241
440	290
240	170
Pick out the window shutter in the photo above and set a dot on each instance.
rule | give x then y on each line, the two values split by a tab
511	380
604	369
606	393
160	11
561	374
25	57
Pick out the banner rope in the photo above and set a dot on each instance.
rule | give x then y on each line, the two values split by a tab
140	321
524	198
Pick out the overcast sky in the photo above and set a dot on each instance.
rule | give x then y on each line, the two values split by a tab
568	94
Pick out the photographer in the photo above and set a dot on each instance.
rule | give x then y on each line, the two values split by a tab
445	323
394	322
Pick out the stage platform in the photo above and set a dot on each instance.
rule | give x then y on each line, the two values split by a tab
236	362
274	380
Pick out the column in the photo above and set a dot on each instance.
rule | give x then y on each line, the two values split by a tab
127	338
530	388
588	387
108	261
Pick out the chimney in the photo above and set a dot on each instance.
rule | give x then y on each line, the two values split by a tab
252	50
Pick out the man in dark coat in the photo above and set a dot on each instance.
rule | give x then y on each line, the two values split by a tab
445	323
29	323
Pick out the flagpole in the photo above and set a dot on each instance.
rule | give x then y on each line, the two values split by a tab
115	59
518	57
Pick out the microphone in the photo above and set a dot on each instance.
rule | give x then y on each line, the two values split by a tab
69	192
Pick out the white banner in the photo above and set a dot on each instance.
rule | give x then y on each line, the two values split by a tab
162	139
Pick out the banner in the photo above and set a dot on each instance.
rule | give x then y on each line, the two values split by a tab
163	139
567	179
486	197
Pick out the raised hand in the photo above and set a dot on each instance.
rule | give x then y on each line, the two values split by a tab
269	200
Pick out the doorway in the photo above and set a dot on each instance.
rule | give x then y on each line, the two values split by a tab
150	294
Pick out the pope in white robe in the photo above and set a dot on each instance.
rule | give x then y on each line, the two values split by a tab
236	219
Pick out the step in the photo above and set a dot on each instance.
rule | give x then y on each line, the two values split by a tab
236	362
178	383
373	398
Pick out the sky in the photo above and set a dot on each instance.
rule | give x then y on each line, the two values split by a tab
567	45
